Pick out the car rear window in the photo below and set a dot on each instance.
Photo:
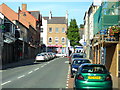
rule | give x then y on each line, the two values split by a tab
77	56
93	69
80	61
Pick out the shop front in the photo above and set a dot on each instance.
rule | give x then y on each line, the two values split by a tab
56	48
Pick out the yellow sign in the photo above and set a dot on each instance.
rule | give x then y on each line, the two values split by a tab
63	45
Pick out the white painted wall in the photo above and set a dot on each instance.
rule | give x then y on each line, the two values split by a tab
91	22
44	33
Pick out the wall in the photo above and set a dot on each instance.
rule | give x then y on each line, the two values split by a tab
111	59
54	34
44	33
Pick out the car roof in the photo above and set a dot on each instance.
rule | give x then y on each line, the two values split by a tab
92	64
81	59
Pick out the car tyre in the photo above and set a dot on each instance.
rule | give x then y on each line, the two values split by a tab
72	76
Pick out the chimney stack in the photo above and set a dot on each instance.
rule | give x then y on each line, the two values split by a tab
24	7
66	14
50	15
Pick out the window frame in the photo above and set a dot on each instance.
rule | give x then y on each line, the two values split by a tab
62	39
50	28
56	39
63	29
49	40
57	30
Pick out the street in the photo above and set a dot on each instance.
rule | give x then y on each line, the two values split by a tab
51	74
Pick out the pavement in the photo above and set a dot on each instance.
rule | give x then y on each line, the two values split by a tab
116	83
17	64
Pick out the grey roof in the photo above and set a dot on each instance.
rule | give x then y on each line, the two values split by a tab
56	20
35	14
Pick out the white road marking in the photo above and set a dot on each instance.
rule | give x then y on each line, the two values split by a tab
67	85
42	66
36	69
30	72
21	76
66	61
68	76
5	82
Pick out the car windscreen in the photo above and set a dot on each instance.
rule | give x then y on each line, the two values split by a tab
76	62
93	69
77	56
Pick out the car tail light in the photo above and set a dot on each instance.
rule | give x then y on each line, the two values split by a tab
80	77
108	78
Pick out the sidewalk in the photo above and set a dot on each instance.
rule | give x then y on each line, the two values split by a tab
17	64
116	83
119	83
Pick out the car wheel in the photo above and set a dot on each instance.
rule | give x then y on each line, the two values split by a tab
72	76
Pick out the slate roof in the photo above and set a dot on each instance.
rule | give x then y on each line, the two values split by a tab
56	20
35	14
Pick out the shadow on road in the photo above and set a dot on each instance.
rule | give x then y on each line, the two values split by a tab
20	64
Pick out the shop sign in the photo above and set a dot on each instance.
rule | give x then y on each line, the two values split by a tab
54	45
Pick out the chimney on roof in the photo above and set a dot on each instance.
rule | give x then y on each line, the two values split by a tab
66	14
24	7
50	15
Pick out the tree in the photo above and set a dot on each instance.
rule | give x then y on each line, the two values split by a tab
73	33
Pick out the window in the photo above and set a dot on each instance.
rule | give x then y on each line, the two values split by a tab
63	40
50	30
41	40
63	30
41	30
94	69
56	39
8	27
50	40
57	30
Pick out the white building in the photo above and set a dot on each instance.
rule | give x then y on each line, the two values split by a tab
44	32
88	28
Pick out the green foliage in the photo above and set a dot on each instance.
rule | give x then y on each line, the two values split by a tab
81	26
73	33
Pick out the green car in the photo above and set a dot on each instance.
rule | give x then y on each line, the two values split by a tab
93	76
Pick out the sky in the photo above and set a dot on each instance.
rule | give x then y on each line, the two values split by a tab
76	10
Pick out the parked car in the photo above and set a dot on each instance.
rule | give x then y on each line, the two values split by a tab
75	55
46	56
76	63
41	57
93	76
61	55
